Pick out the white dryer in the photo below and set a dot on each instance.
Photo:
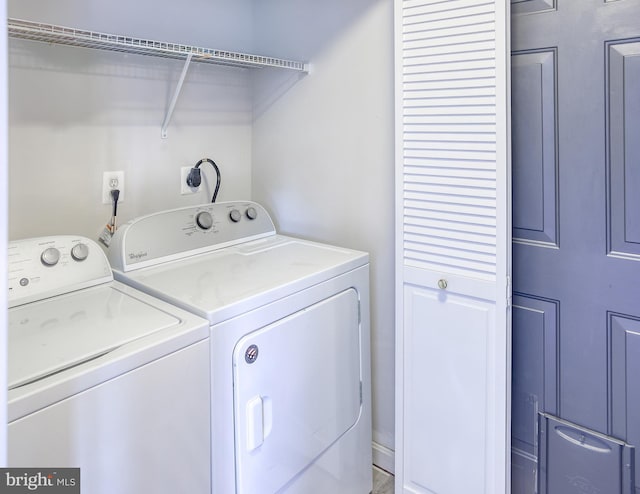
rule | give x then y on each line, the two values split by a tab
290	344
103	377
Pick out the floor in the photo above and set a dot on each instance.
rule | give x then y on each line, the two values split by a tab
382	482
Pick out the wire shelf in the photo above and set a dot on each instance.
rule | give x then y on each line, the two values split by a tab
50	33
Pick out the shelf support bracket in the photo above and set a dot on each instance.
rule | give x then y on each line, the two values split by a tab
172	105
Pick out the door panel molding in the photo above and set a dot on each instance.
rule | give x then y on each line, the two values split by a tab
454	397
532	6
536	380
535	147
624	378
623	156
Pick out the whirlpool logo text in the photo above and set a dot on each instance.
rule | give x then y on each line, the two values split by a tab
136	256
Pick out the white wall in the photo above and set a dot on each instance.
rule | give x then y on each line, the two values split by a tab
3	234
75	113
323	151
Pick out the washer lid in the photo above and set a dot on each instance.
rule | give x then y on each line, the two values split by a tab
49	336
222	284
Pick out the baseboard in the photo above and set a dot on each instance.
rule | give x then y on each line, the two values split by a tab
383	457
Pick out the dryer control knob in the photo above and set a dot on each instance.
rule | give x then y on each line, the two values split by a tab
80	252
50	256
252	213
235	215
204	220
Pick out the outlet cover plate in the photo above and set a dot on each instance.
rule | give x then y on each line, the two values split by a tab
184	188
112	180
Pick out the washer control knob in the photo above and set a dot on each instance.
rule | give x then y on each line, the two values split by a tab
252	213
50	256
235	215
80	252
204	220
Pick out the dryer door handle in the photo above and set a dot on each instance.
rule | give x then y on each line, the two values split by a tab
259	421
255	423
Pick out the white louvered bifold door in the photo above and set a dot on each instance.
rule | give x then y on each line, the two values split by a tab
453	247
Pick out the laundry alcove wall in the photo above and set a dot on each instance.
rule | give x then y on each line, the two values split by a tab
316	150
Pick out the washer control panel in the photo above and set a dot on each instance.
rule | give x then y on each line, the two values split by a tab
43	267
178	233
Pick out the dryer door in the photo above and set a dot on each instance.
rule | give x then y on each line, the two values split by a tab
296	391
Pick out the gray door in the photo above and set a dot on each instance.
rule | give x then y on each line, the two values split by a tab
576	251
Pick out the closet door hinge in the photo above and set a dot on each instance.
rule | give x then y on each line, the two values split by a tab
509	298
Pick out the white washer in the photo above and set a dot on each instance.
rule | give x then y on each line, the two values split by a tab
290	344
102	376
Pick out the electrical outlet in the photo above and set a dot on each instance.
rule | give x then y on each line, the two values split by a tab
184	188
110	181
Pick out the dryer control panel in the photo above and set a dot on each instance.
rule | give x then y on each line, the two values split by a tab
43	267
179	233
